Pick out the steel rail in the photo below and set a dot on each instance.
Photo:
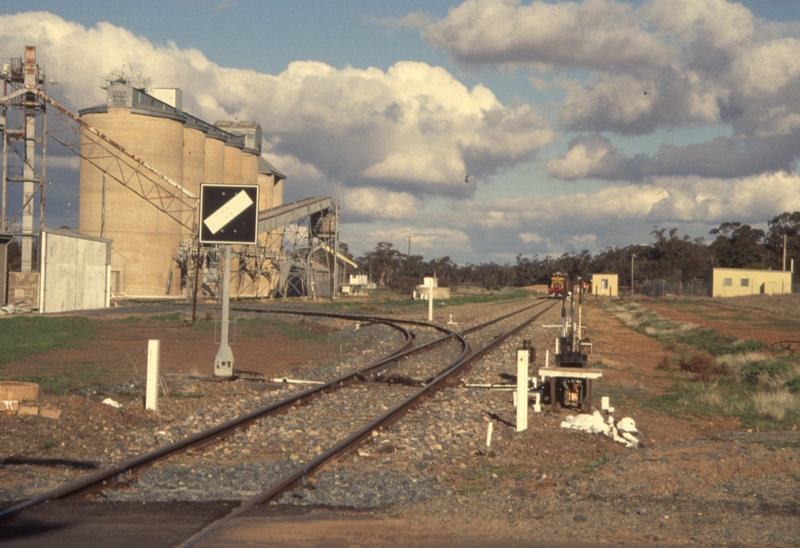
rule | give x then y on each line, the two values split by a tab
354	440
449	335
123	471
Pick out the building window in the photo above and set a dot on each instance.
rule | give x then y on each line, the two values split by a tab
745	282
727	282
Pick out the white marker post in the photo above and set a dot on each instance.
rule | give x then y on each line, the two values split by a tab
523	361
153	361
430	303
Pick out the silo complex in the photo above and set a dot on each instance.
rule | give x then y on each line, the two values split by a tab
153	127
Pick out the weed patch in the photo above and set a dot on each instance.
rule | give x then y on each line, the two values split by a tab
755	370
719	344
26	335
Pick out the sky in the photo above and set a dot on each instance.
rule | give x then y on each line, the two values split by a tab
478	130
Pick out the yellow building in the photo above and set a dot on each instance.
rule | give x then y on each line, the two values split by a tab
605	284
736	282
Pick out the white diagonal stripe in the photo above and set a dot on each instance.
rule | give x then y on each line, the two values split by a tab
231	209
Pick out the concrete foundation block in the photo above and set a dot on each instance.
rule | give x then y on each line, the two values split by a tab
28	410
50	413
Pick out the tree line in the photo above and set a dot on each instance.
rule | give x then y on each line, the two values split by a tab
670	256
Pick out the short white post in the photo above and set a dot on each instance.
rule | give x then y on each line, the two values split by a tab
430	303
153	360
523	361
489	435
547	358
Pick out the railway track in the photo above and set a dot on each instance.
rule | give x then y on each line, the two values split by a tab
450	347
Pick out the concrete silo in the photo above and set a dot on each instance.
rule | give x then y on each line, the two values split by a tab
233	162
194	154
144	239
150	250
215	155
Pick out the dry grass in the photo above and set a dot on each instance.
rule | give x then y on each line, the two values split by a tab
775	404
712	397
783	305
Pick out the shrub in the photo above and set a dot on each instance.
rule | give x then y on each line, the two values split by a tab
719	344
794	385
751	371
663	363
704	366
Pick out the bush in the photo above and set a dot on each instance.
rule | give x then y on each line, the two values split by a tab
704	366
663	363
719	344
794	385
774	368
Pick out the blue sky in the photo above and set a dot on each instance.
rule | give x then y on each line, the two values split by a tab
582	125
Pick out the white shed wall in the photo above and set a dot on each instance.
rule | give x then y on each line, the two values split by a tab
74	272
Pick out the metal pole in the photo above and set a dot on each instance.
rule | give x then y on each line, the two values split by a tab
28	173
196	280
5	158
784	252
633	256
335	292
223	363
43	178
103	209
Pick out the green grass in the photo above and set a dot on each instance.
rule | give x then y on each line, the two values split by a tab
169	317
23	336
256	327
45	445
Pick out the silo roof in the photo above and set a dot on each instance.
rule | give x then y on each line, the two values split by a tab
268	169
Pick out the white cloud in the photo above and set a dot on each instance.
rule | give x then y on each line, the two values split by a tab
414	128
506	32
424	240
663	64
65	162
414	20
378	204
588	156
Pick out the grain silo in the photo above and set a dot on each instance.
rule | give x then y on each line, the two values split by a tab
194	153
153	127
215	155
144	239
233	161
